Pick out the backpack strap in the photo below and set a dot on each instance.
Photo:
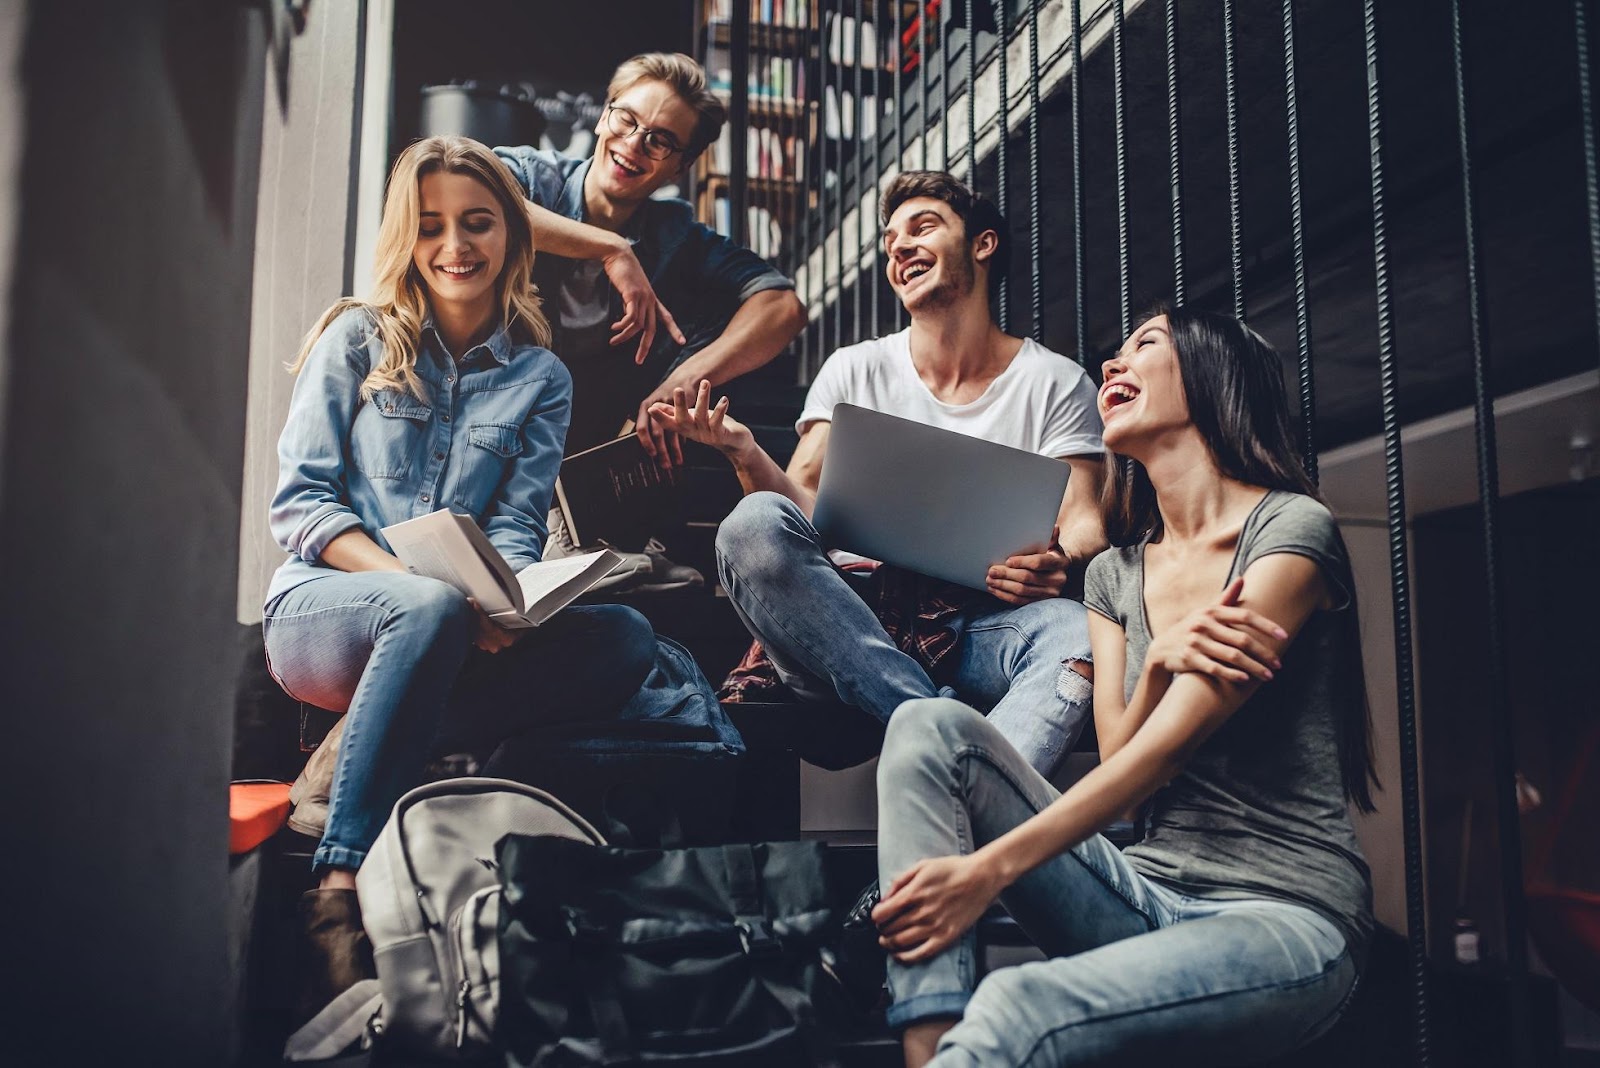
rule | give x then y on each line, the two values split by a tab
345	1020
765	952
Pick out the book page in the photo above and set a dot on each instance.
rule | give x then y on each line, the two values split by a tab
436	547
551	585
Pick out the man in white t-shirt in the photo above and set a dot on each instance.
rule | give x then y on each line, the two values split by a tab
1021	651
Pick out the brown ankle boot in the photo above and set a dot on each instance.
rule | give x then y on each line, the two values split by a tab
339	953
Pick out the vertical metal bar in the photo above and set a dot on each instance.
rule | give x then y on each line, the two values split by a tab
1302	303
972	95
1079	283
1119	92
944	85
868	219
837	232
1174	153
739	119
1503	737
1235	225
899	128
1035	218
1003	127
922	76
857	151
816	125
1591	171
1400	583
817	179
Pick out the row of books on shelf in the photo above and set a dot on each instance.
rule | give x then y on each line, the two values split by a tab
776	77
768	154
762	233
843	120
849	37
798	13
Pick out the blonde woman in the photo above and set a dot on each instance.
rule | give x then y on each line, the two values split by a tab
437	394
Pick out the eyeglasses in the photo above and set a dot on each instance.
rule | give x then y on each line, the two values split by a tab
658	144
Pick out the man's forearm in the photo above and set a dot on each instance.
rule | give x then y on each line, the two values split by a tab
1082	539
758	471
758	331
560	236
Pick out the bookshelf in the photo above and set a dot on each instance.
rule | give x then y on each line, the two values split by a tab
752	183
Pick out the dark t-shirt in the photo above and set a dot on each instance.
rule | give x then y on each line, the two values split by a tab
1259	810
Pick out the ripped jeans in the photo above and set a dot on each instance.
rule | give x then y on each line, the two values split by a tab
1010	661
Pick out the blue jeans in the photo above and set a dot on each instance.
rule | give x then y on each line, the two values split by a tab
826	643
1140	973
394	653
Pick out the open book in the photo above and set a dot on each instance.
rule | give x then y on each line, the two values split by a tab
451	548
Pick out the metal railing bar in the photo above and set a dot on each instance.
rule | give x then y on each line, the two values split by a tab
1235	222
1302	303
1399	578
1503	744
1174	152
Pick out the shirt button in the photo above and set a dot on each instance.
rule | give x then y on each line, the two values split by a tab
438	456
447	418
426	498
449	378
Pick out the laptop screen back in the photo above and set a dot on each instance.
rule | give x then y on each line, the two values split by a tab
932	500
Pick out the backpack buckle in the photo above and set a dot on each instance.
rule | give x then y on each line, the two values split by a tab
756	939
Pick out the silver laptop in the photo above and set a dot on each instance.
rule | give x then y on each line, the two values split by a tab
932	500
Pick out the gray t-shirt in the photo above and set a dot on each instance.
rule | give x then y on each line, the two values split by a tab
1259	810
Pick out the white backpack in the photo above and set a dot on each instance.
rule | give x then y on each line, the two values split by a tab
430	901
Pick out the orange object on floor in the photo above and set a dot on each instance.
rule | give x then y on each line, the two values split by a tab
256	811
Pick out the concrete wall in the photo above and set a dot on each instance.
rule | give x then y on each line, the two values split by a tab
305	233
119	513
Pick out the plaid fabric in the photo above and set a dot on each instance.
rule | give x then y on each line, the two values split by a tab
917	612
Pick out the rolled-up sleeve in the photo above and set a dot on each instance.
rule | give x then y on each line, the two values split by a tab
515	521
731	269
311	506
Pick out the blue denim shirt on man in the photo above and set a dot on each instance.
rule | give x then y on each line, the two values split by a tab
485	440
700	275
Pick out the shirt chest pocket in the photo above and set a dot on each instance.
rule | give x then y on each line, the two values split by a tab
388	435
491	449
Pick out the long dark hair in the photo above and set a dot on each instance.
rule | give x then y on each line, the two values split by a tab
1233	384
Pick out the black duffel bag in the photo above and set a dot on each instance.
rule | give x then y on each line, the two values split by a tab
708	956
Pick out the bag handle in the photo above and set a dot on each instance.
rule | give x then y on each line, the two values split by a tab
605	1008
342	1021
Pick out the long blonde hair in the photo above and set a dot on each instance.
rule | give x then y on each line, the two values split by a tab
399	301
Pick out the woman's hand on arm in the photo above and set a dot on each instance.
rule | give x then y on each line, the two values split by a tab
1224	640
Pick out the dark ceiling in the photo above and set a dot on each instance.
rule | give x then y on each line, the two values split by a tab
568	46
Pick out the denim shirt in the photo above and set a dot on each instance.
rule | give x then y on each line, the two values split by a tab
700	275
485	440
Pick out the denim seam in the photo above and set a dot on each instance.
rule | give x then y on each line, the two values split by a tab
1212	996
966	965
465	387
775	617
978	752
276	617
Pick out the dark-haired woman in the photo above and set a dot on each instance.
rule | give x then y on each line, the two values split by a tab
1228	691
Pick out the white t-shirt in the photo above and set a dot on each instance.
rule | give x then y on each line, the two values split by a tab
1042	402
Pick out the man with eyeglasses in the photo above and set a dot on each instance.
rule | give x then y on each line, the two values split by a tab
613	261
